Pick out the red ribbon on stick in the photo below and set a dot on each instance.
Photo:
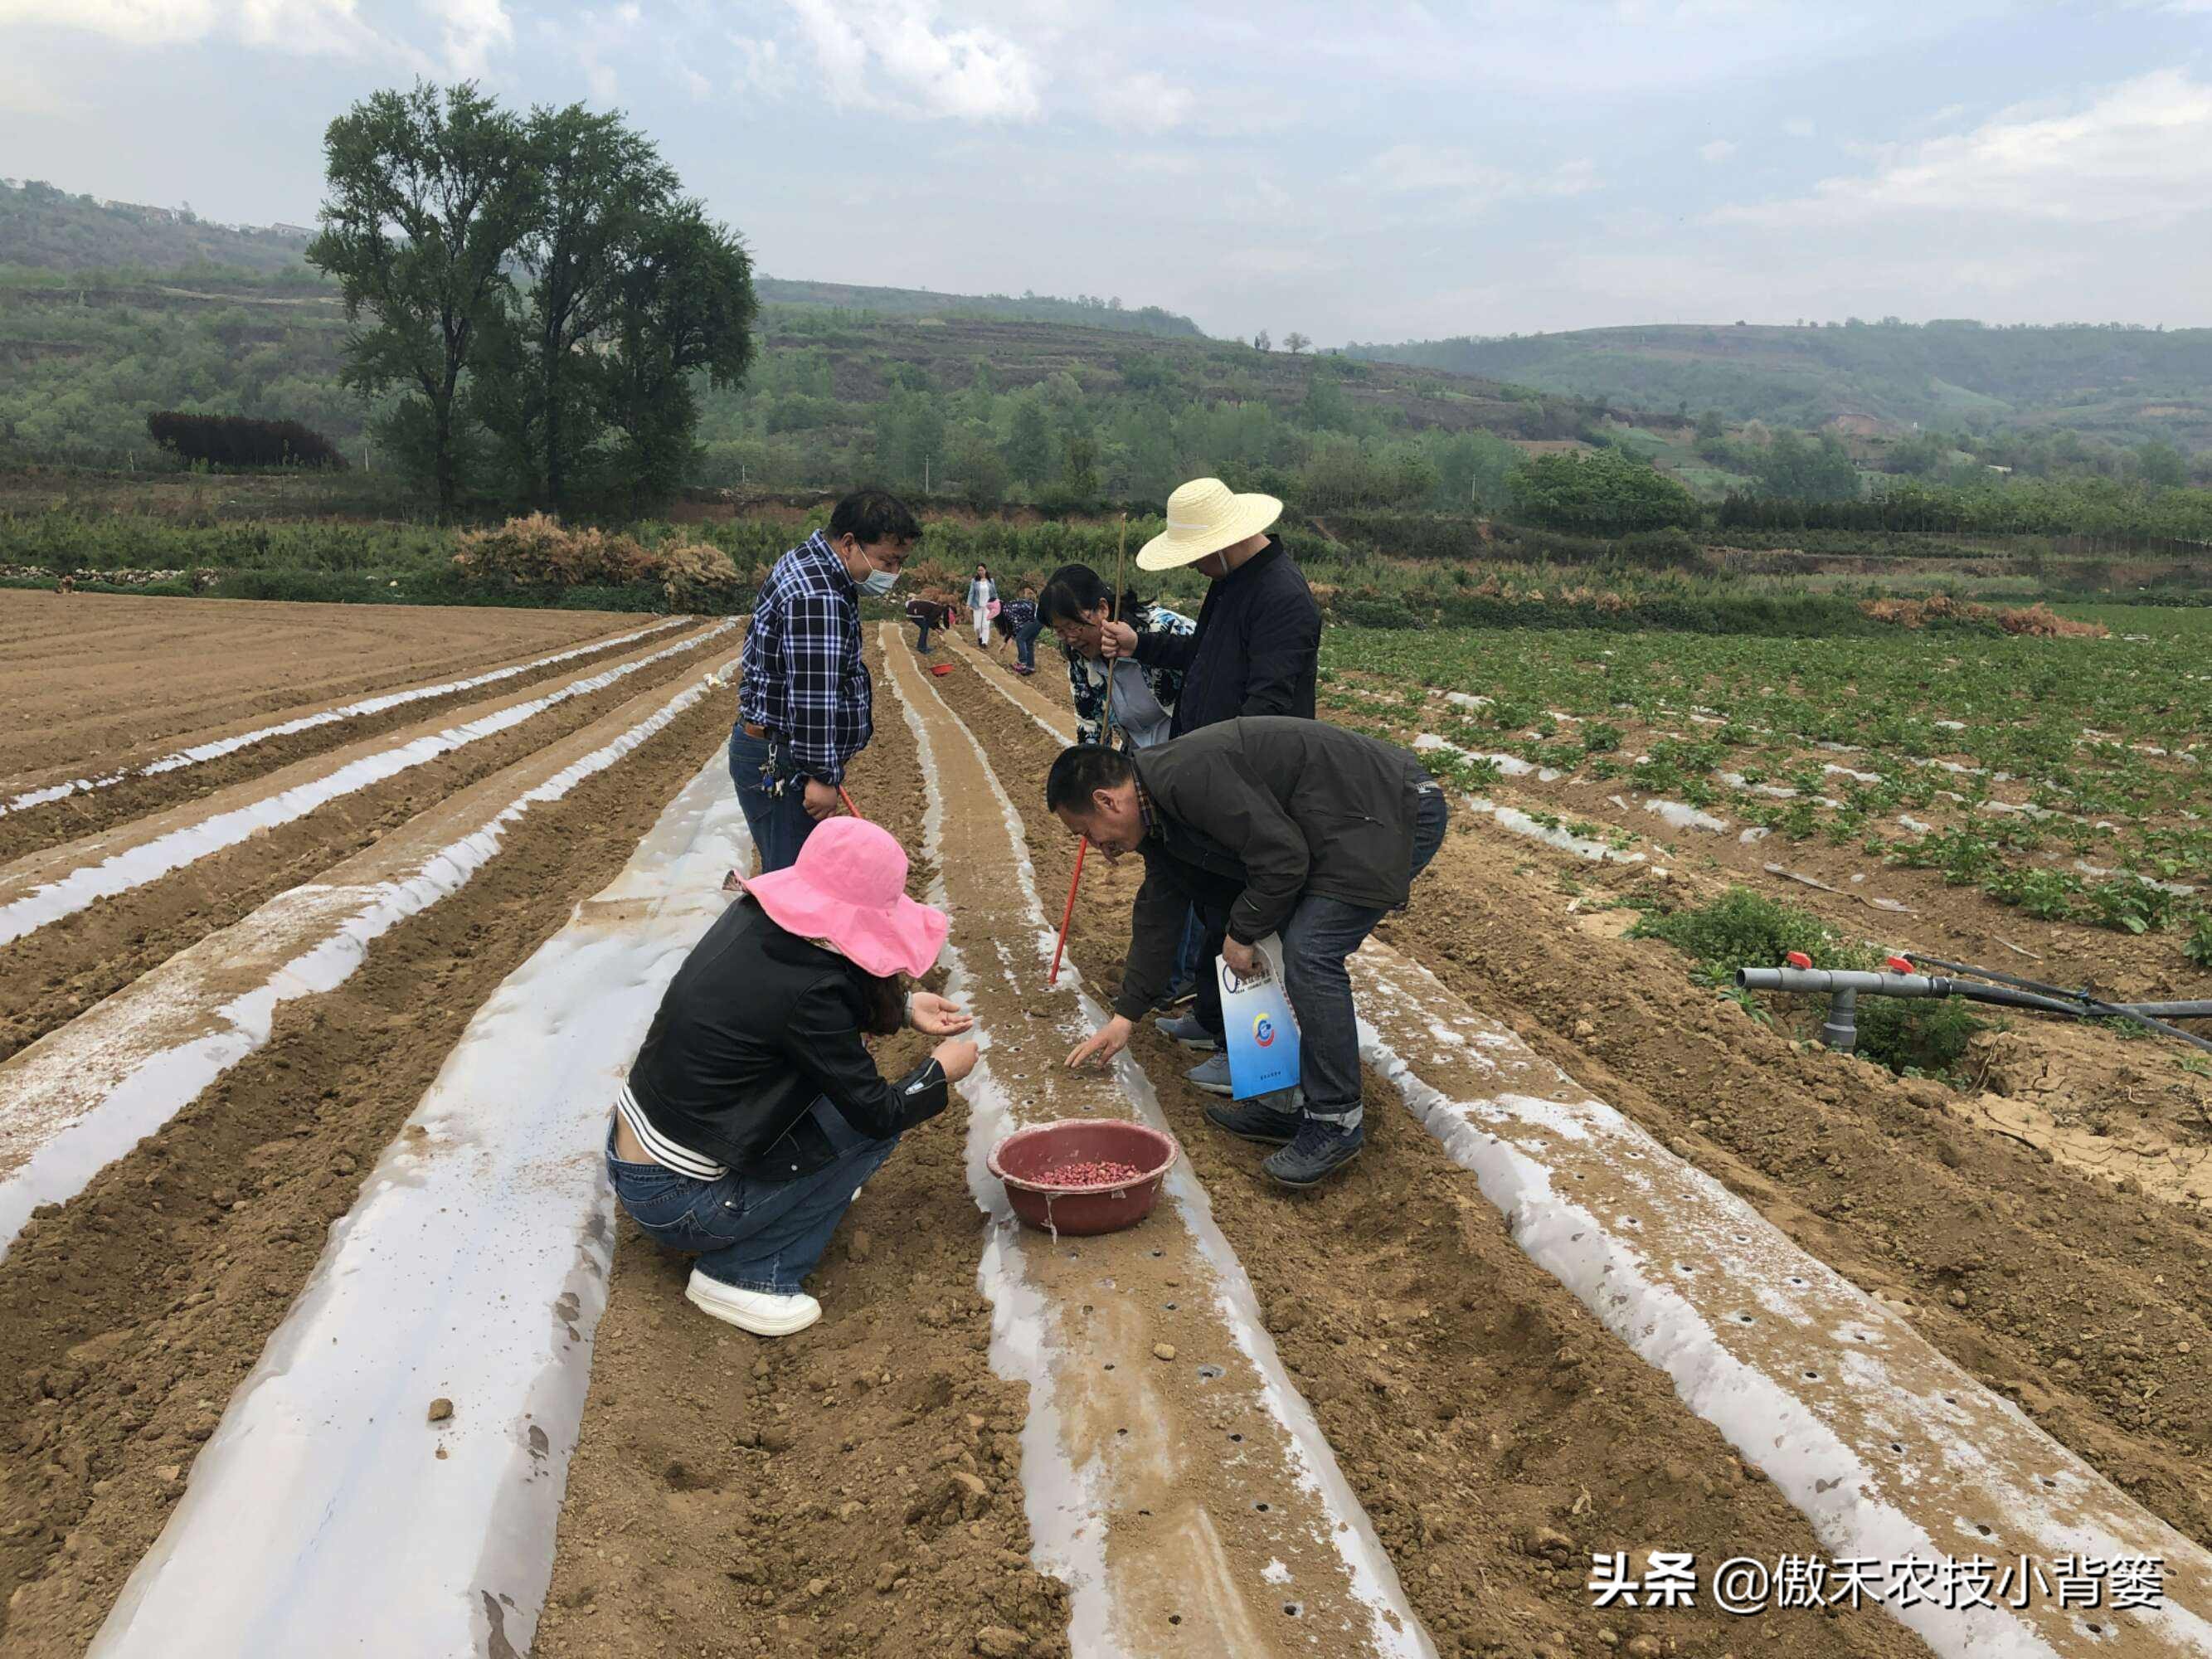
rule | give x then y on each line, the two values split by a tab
1068	914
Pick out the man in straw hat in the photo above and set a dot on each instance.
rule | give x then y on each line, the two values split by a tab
1257	651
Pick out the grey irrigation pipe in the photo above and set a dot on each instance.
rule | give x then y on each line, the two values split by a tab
1843	987
2170	1010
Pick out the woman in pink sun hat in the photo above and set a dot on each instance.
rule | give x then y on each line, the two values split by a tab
754	1111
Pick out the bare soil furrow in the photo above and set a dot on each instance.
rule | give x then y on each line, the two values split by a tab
129	1314
75	680
65	967
856	1489
140	793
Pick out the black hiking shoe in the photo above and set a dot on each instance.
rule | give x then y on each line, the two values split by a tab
1254	1119
1320	1149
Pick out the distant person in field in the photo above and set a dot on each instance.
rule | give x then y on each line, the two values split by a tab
980	592
1257	651
806	705
1028	622
1292	827
926	611
755	1112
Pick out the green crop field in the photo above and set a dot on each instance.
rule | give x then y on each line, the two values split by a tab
2066	776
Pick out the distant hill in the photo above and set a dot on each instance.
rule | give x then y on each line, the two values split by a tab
2126	383
49	229
917	303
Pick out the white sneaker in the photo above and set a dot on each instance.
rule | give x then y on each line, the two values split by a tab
757	1311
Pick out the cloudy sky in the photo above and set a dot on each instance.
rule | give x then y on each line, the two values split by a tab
1369	172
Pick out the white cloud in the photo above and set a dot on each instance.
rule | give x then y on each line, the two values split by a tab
897	52
1421	170
2140	150
1146	103
302	26
472	31
1719	150
760	66
1798	127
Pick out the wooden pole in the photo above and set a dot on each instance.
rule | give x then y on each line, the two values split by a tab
848	800
1114	613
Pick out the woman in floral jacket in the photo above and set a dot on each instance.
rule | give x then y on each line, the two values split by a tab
1074	603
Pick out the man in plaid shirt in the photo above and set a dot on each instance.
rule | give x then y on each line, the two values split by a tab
805	704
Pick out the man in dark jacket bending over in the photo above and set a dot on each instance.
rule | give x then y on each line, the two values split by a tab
1297	828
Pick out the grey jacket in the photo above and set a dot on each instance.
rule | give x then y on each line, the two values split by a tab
1255	813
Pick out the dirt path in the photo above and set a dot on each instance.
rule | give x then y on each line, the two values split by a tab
67	965
854	1489
74	670
1493	1429
128	1315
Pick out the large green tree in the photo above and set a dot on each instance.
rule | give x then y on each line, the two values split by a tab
429	192
684	308
603	189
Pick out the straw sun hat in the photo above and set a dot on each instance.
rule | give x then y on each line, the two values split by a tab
1205	516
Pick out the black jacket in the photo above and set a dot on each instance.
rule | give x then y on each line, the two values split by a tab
756	1024
1259	813
1256	650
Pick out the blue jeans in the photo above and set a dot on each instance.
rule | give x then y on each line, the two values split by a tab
1025	639
778	822
752	1234
1319	935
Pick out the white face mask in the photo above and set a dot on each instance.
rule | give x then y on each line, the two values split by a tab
879	582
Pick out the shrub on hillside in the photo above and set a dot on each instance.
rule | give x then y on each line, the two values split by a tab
538	552
236	441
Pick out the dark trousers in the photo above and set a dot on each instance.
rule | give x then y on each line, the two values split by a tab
922	644
1025	639
1318	937
778	822
755	1235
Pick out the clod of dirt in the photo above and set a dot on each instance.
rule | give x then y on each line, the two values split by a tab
776	1439
1163	1350
441	1409
343	1164
169	1473
860	1245
997	1641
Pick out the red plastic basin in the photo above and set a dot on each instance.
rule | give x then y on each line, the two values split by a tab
1026	1159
